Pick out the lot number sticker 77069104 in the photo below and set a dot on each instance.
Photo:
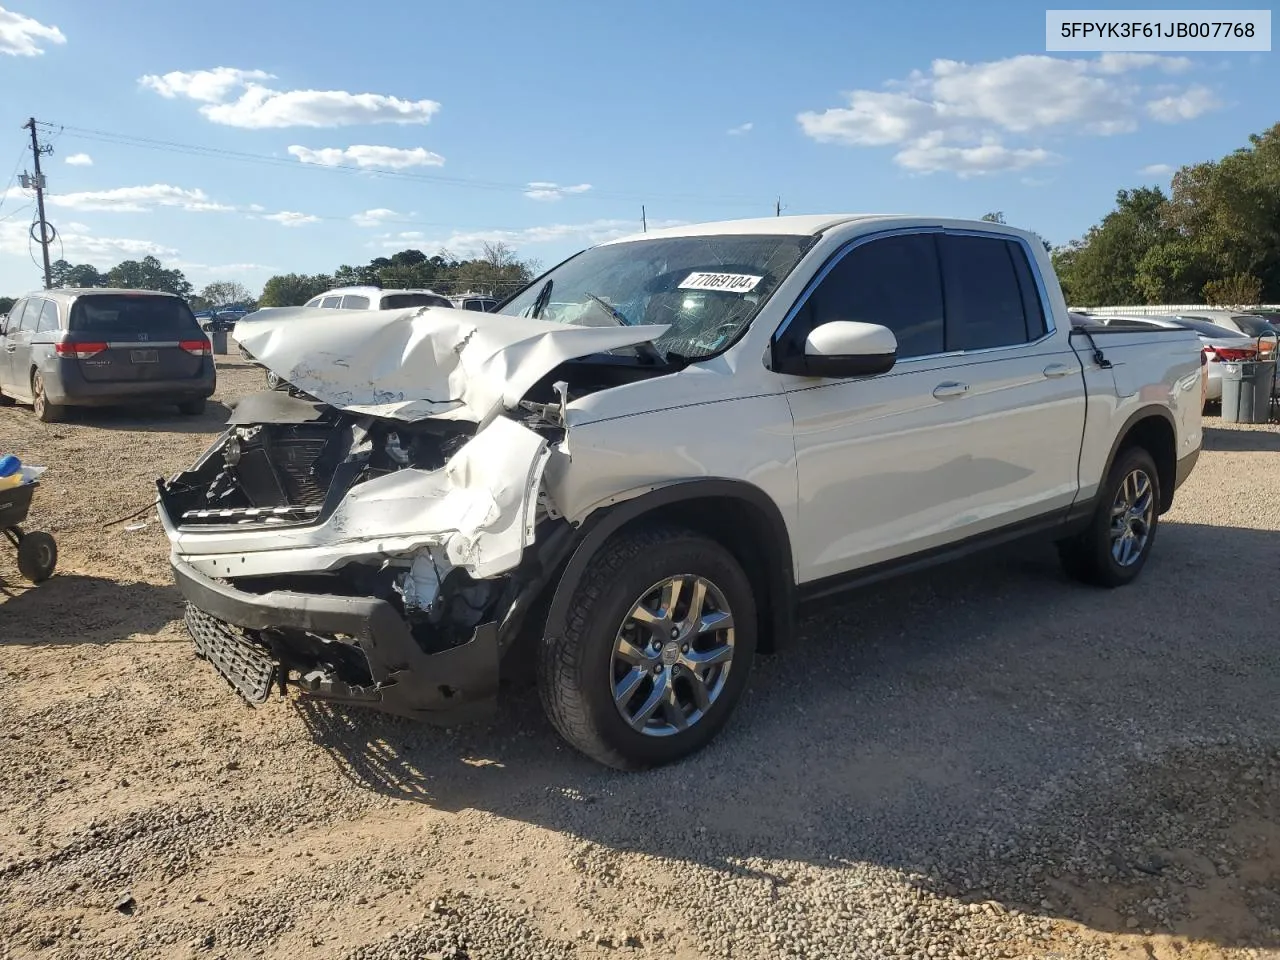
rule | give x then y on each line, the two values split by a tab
728	282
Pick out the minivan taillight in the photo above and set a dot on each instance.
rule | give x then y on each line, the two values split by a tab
197	348
1235	355
79	351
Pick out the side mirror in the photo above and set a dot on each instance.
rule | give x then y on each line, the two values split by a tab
845	348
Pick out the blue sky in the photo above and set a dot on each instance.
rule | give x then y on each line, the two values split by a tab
548	125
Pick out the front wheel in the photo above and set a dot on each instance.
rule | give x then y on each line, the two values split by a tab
37	556
657	652
1114	548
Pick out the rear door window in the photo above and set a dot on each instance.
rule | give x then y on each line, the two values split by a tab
331	303
985	306
48	321
352	302
133	317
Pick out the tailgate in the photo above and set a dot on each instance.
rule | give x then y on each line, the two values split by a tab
135	337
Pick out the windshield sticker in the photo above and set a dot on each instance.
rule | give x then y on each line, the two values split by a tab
728	282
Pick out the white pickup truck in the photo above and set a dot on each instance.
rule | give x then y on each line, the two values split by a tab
645	463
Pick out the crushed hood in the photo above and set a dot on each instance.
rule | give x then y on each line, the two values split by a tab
423	362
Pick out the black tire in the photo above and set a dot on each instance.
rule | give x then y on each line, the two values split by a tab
1089	557
37	556
575	670
191	408
45	411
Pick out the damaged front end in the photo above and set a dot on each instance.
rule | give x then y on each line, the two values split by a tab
363	559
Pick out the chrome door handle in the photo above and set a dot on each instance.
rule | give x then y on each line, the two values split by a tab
1055	370
11	348
950	390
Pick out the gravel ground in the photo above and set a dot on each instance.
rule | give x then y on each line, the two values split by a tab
982	761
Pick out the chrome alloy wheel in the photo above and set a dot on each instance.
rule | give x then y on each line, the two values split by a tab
672	655
1132	515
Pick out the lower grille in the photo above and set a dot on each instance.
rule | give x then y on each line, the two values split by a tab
244	664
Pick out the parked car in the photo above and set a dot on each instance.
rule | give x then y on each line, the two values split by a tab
1219	344
99	347
1249	324
374	298
475	301
717	425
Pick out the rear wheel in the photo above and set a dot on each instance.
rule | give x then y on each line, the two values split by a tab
657	652
1114	548
191	408
46	412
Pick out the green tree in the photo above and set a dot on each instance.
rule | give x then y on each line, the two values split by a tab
996	216
148	274
1231	209
6	304
1240	290
1102	268
66	274
225	293
293	289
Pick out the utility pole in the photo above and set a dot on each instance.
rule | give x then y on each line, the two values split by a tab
644	221
46	230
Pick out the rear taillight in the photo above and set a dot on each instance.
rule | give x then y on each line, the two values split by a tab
79	351
197	348
1235	354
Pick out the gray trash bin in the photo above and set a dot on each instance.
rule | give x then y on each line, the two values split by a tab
1246	391
219	339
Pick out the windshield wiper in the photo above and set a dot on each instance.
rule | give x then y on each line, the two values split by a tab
646	349
540	303
613	311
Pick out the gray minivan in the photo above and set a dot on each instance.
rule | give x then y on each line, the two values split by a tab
99	347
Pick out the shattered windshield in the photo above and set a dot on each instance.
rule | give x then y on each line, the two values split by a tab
707	289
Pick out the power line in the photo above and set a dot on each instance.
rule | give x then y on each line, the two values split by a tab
172	146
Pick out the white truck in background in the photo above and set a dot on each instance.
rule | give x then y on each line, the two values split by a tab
653	456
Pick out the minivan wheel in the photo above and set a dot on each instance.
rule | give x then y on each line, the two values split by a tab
1115	547
656	653
45	411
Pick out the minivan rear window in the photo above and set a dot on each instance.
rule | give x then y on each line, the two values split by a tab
398	301
108	315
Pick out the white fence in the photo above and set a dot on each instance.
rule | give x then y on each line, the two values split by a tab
1170	309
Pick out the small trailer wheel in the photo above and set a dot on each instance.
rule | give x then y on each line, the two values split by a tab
37	556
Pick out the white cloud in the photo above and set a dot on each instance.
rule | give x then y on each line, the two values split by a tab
956	116
1156	170
291	218
79	160
1122	62
23	37
931	157
79	245
464	243
235	98
206	86
373	218
543	190
136	199
257	207
367	155
740	129
1187	105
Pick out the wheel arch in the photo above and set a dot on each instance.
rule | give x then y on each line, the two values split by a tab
1151	428
736	514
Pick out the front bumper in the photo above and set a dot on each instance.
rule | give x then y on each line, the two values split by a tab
406	680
